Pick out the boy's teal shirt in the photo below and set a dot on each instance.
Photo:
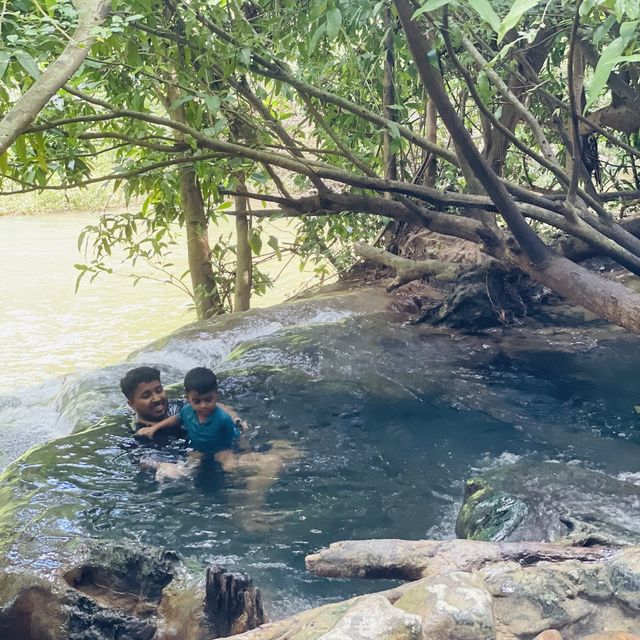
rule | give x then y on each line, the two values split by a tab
217	433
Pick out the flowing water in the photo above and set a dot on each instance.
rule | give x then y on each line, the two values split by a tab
387	421
49	333
384	422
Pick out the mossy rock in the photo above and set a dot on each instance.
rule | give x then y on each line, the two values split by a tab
487	514
549	501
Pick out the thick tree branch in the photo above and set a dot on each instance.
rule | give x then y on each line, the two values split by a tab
535	249
575	91
408	270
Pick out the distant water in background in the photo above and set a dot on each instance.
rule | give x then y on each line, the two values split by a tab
48	331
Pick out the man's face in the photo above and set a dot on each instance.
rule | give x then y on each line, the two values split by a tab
149	401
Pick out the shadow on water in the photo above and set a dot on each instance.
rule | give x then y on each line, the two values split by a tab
388	421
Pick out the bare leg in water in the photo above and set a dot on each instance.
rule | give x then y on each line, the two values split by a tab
258	470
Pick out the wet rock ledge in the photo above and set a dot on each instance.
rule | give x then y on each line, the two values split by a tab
124	592
473	590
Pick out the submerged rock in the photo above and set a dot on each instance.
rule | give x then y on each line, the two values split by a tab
550	501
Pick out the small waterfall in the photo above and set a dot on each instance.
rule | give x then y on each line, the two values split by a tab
34	415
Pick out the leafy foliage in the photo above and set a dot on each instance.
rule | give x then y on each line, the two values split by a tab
289	94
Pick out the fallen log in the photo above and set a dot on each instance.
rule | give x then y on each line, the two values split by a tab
408	270
416	559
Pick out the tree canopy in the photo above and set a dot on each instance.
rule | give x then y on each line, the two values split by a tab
471	118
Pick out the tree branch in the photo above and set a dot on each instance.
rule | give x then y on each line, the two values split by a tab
91	13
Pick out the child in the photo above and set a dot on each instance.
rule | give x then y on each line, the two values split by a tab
211	430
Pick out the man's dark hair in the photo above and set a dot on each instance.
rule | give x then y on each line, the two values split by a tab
137	376
200	379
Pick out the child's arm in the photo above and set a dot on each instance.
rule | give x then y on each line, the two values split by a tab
149	432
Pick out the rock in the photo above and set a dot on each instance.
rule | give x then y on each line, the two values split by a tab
117	591
30	608
548	502
624	576
611	635
454	605
375	618
549	634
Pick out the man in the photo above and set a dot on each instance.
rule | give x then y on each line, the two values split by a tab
148	399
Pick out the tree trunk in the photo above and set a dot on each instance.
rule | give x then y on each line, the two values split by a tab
205	293
389	97
408	270
431	133
416	559
244	264
232	603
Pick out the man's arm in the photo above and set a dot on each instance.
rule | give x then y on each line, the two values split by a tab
239	422
150	431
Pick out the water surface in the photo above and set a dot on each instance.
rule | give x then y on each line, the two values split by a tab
389	420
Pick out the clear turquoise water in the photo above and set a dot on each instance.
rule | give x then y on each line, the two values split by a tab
390	420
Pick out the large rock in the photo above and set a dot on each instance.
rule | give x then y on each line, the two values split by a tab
119	591
549	501
473	590
453	605
374	618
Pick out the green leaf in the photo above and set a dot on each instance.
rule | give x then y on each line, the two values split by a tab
587	6
21	148
430	5
255	241
5	57
486	12
133	57
273	243
179	102
518	9
4	163
603	30
37	143
611	55
213	103
28	64
484	88
393	128
334	22
245	56
314	40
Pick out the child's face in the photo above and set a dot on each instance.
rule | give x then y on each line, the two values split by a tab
203	403
149	401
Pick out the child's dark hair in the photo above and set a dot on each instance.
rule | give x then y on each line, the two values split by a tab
200	379
137	376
